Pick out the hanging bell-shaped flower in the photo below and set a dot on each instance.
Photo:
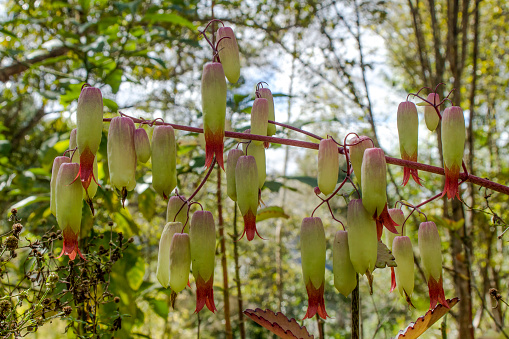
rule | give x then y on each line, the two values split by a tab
89	121
431	257
180	261
328	166
53	182
246	174
453	144
163	259
267	94
374	175
362	237
259	118
122	154
213	98
345	277
312	249
397	216
359	145
89	194
178	210
202	235
408	131
229	53
164	160
430	114
403	252
68	200
231	164
142	145
258	152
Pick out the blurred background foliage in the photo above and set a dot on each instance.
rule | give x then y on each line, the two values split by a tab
336	67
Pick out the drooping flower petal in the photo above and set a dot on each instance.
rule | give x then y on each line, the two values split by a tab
430	115
121	153
229	53
362	237
231	164
142	145
408	131
374	175
163	258
246	180
164	160
453	144
345	279
403	252
53	182
328	166
259	118
180	261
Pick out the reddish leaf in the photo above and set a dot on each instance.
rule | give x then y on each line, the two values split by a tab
278	324
415	329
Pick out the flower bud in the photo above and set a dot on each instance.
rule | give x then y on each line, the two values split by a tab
328	166
54	173
345	279
180	261
267	94
430	114
402	251
373	170
258	152
246	174
397	215
141	145
163	259
89	121
229	53
453	144
431	257
202	235
164	160
178	204
408	131
312	249
89	193
259	118
231	164
359	145
68	200
362	237
213	97
121	153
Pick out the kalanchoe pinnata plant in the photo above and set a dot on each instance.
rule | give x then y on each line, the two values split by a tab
246	174
69	200
345	277
267	94
89	121
359	145
312	249
163	259
362	237
53	182
408	131
431	257
89	194
142	145
374	196
258	152
328	166
202	235
180	261
229	53
399	218
231	164
453	144
213	98
178	204
259	118
430	114
403	252
122	155
164	160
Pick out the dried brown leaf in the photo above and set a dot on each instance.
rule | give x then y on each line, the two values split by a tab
278	324
384	256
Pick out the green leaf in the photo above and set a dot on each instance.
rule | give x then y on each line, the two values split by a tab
5	147
131	6
147	204
112	105
29	201
135	274
114	79
160	307
170	18
311	181
270	213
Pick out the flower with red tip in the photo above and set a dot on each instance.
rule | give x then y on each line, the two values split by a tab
68	199
202	235
53	182
229	53
89	121
328	166
374	196
164	160
213	98
312	249
430	114
453	144
431	257
267	94
408	131
404	255
246	174
345	277
356	150
362	237
231	164
90	193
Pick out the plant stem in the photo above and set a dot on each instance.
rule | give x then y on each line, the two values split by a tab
237	275
356	311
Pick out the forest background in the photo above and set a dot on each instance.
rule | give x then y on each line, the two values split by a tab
336	67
